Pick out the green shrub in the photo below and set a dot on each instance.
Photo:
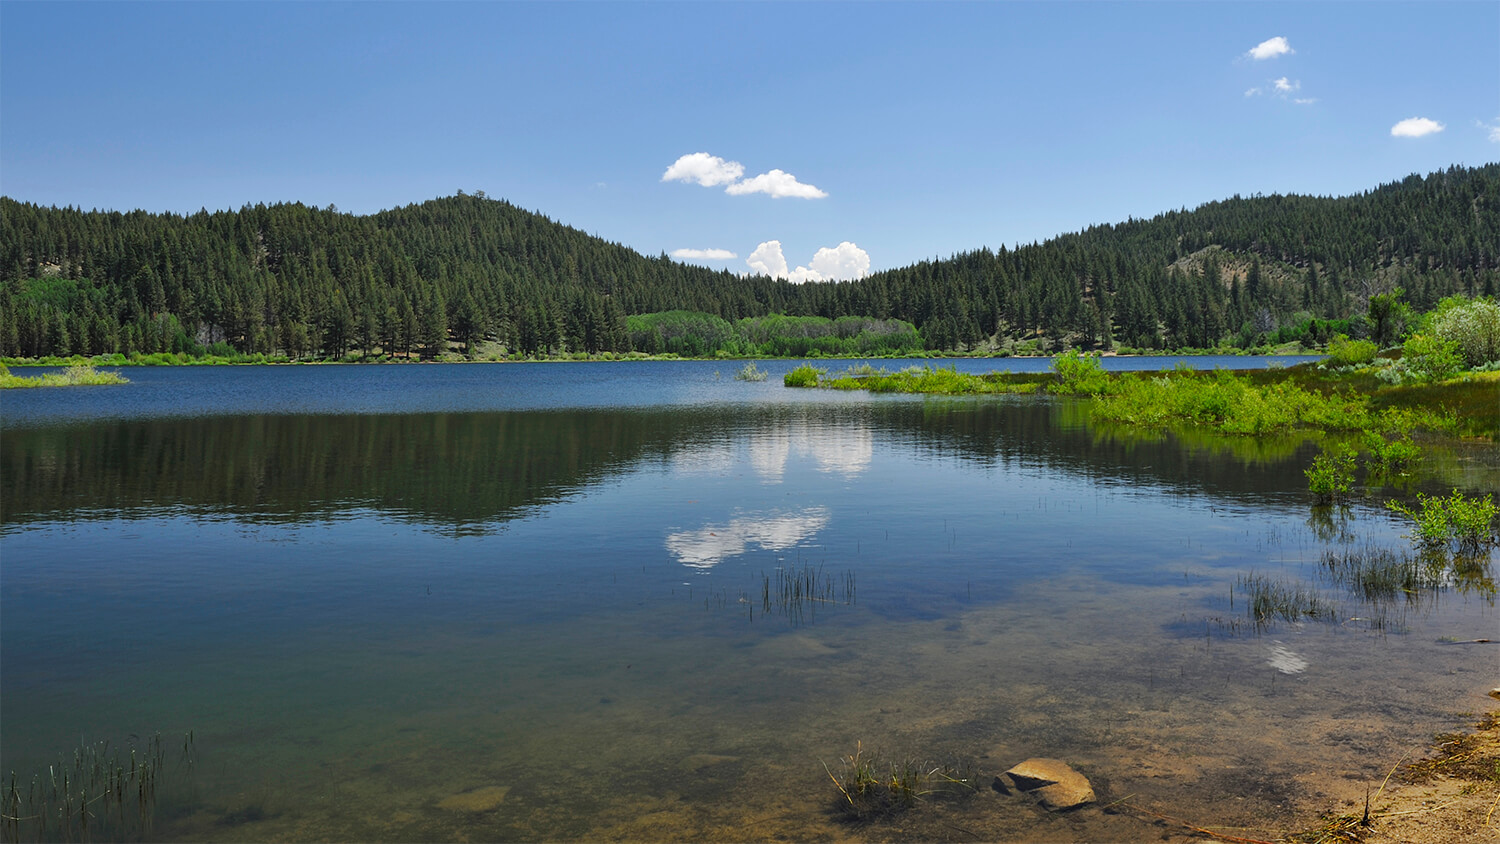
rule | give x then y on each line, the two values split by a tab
1390	455
805	375
1331	475
750	372
1474	326
1345	352
1430	358
1438	521
1079	373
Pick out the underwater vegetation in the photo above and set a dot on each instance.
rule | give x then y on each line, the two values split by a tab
870	787
99	792
793	593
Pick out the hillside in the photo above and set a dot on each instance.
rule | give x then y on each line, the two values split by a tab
466	268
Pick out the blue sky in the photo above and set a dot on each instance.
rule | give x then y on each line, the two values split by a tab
928	128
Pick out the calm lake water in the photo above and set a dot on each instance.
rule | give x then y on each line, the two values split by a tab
542	589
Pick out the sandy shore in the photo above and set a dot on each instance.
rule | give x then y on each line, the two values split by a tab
1452	795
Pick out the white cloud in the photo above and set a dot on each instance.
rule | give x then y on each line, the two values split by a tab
839	263
1284	86
1493	130
1416	127
1254	92
768	260
777	184
704	254
707	170
1270	49
842	262
1305	100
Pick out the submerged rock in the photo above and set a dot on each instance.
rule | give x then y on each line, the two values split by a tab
478	800
1051	781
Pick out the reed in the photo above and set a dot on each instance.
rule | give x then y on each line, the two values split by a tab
99	791
796	592
869	787
1269	600
1379	575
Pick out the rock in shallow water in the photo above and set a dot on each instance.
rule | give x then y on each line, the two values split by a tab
1051	781
478	800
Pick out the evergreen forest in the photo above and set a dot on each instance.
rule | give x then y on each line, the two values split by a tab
461	274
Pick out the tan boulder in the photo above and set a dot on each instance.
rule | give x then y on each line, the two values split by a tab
1051	781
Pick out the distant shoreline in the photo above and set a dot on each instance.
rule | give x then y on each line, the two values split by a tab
170	359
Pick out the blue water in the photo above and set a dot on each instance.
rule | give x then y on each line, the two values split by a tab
432	388
370	591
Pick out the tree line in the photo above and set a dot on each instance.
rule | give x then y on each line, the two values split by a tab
450	274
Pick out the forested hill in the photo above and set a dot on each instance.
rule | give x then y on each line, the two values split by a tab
456	270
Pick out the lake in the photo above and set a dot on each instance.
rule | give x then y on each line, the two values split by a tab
647	601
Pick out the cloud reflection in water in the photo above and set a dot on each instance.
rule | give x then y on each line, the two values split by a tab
711	544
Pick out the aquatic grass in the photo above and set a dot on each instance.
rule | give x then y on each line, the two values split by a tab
931	380
1380	575
97	791
1228	403
1273	599
869	787
79	374
796	592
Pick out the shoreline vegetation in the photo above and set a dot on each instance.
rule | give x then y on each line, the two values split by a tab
208	357
76	375
1305	397
1443	378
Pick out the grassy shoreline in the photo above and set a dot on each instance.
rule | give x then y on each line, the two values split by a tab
77	375
1238	403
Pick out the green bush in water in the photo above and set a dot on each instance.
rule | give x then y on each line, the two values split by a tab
805	375
1438	521
1331	475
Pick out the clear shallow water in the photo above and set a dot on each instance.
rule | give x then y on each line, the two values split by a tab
380	587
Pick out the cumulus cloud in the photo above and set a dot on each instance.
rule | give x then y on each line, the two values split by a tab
1254	92
704	254
1494	131
842	262
777	184
1305	100
1270	49
712	171
1286	86
1416	127
839	263
707	170
768	260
